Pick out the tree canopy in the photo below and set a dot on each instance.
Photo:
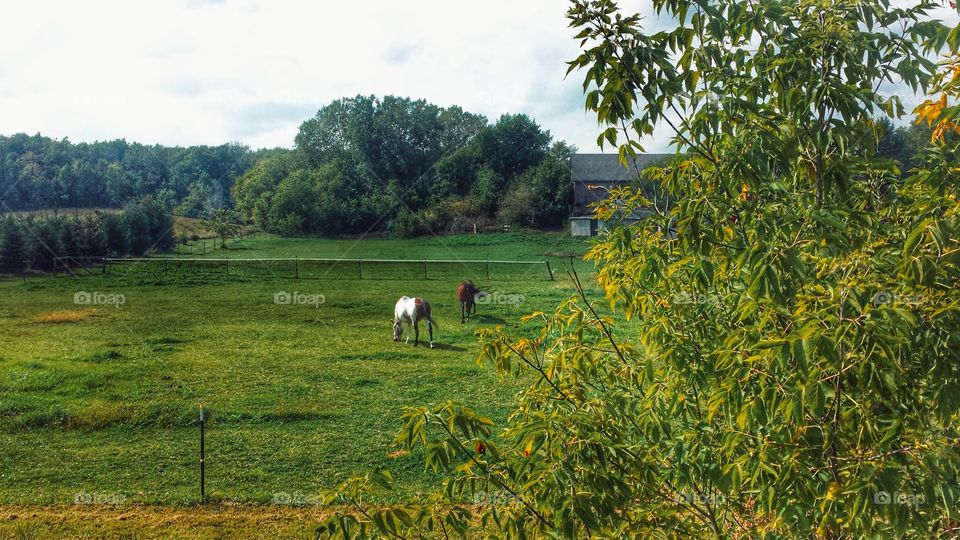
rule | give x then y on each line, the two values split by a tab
408	167
777	351
38	172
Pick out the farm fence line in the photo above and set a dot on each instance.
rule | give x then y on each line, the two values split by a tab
310	267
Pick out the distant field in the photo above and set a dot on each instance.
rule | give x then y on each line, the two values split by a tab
189	226
510	246
103	399
462	257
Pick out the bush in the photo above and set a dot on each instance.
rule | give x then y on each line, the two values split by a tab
405	224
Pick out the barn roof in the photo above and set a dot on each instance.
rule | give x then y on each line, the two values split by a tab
607	167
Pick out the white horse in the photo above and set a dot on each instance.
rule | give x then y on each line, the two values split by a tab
412	310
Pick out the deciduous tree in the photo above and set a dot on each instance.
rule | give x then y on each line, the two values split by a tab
777	351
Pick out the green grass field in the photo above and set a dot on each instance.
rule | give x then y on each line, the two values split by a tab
103	399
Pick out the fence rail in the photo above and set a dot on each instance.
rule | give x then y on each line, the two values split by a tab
319	267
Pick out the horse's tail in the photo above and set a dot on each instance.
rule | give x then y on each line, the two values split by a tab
429	315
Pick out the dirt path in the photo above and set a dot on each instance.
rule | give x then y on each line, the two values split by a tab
143	521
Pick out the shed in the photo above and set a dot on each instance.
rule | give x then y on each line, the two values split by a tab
594	176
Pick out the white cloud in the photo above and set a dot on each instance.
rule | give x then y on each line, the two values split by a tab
211	71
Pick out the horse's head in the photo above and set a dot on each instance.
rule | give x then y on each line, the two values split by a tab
467	288
397	330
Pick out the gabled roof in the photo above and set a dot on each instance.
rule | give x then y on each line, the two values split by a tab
607	167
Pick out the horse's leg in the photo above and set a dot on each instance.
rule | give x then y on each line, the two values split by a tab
416	332
407	328
461	311
430	329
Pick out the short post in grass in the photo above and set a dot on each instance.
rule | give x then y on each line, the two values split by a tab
360	268
203	492
549	271
424	269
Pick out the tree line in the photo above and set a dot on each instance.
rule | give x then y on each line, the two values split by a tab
407	167
37	172
32	242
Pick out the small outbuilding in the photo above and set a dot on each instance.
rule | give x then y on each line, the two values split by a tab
594	176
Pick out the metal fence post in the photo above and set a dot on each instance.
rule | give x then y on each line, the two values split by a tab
549	270
203	492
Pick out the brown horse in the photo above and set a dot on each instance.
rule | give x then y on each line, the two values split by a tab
466	294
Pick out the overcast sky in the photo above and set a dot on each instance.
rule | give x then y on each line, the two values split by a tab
212	71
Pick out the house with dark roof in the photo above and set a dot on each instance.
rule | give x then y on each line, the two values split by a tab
594	176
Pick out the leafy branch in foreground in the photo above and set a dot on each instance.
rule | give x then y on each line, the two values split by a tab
779	353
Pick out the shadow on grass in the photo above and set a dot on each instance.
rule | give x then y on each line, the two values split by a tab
488	319
445	347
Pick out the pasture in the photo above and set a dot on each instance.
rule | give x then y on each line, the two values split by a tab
101	399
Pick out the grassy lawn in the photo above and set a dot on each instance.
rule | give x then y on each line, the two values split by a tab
102	400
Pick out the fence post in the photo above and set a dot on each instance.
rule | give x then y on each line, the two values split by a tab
424	269
296	266
226	266
488	266
203	493
360	268
549	270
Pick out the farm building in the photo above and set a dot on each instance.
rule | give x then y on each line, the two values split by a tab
593	177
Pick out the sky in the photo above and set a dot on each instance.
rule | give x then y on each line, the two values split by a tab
184	72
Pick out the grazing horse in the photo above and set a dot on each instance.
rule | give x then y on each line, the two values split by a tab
412	310
466	293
